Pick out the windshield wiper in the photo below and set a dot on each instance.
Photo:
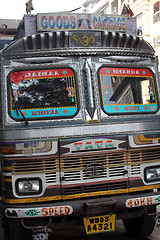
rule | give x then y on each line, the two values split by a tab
17	107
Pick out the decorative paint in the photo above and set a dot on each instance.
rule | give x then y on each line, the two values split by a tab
80	195
138	141
143	201
119	96
39	211
66	21
25	84
126	72
98	143
85	39
28	147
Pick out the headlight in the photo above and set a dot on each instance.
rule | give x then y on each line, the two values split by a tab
28	186
152	174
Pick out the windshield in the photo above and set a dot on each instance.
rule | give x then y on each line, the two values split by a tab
127	90
43	93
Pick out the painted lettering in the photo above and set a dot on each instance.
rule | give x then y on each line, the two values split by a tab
40	112
62	211
45	112
44	74
138	202
126	71
56	211
67	210
123	25
51	22
34	113
51	211
131	108
107	23
99	23
95	22
59	22
65	22
73	22
44	211
41	74
149	200
29	75
142	201
44	22
130	203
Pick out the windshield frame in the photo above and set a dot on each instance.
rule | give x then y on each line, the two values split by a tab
45	113
127	109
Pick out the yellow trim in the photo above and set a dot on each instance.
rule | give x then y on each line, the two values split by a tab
143	138
7	168
81	195
31	200
7	179
93	120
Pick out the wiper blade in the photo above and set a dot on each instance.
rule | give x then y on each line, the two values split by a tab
17	107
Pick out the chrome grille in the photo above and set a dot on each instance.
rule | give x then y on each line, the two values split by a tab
150	155
136	158
48	166
73	168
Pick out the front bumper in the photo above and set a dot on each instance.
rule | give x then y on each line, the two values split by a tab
84	207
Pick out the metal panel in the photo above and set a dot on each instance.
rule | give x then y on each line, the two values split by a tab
85	130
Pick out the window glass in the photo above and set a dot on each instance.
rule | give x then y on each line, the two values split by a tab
156	12
156	7
42	93
127	90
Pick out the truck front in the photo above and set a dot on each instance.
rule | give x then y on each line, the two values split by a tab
80	133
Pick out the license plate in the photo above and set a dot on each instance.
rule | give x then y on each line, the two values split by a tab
99	224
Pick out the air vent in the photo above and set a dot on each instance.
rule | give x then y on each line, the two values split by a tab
47	166
44	41
113	39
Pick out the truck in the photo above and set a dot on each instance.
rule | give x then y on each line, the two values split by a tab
80	128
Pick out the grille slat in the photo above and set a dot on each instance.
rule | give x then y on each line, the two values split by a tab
48	166
111	160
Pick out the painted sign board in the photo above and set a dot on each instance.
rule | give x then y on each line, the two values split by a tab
39	211
80	21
